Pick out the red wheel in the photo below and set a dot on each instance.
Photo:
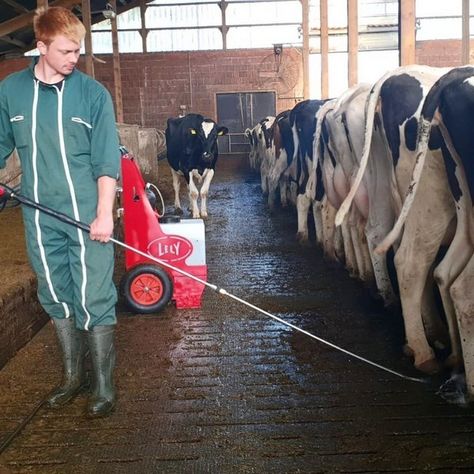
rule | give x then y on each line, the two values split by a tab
147	288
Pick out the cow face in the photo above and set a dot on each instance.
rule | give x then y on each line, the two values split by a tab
204	138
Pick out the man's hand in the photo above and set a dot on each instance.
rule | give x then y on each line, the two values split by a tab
102	228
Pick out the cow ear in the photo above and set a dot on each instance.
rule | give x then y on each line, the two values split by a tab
222	131
192	131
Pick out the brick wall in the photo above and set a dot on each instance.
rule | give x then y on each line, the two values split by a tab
154	85
441	53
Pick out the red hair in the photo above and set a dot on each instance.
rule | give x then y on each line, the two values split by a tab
55	21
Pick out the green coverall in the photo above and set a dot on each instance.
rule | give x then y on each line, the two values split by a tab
66	138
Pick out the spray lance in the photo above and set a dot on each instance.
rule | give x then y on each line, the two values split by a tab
9	193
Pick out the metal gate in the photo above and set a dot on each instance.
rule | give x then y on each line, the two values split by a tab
241	110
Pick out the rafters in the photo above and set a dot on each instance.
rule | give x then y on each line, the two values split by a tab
15	5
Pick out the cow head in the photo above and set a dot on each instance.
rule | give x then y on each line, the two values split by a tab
204	136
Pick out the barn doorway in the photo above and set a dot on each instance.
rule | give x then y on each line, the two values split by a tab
241	110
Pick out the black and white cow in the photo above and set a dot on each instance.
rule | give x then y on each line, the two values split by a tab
191	143
449	105
393	109
303	124
256	138
278	155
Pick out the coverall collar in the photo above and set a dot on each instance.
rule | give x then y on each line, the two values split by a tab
34	62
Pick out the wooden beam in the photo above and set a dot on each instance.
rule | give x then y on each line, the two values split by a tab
305	31
86	20
466	34
407	32
143	31
324	39
42	4
16	6
25	20
352	42
9	40
116	66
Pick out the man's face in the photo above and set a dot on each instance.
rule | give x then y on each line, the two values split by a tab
61	54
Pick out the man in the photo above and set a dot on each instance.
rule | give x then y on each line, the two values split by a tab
62	123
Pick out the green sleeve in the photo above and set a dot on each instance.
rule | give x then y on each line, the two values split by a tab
105	153
7	143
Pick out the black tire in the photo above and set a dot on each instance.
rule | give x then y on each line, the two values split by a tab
146	288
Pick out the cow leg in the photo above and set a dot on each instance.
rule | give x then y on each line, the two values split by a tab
453	263
176	185
367	270
357	245
349	255
193	196
264	172
284	191
461	292
414	259
302	207
318	221
274	178
412	278
328	216
208	175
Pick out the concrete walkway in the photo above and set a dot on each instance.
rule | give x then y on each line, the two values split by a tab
225	389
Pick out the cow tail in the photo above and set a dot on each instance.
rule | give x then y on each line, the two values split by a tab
320	115
371	105
424	130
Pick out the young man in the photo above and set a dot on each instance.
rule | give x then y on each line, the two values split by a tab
62	123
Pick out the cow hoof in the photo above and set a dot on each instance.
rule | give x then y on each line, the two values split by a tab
408	351
454	362
302	237
178	211
429	366
203	215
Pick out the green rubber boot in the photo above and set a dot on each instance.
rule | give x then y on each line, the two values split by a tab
73	348
102	350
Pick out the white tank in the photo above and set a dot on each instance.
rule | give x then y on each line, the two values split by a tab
192	230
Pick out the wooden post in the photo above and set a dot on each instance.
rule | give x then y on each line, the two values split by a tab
86	19
224	27
305	31
407	32
143	31
116	66
42	4
466	34
324	40
352	42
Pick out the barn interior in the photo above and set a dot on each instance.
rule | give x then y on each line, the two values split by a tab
235	61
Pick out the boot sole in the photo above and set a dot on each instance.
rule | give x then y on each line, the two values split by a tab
82	388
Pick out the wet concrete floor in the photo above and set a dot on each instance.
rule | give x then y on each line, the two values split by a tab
225	389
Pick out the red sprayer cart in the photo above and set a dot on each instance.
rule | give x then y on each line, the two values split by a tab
146	286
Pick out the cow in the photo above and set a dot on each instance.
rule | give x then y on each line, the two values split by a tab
392	111
449	105
256	140
340	131
191	144
278	155
303	124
